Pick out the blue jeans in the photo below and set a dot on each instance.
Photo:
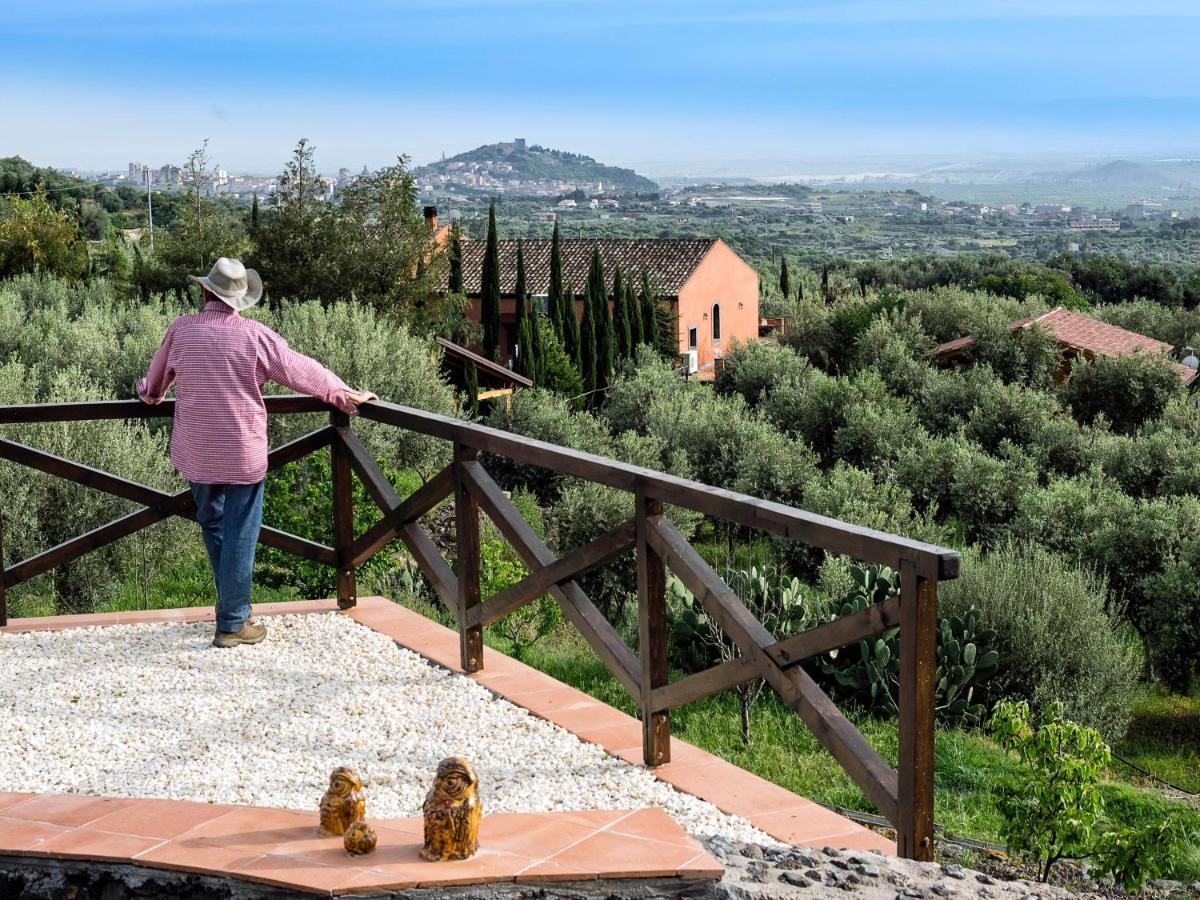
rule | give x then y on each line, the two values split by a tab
230	516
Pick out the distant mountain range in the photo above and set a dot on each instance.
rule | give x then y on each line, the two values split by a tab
1140	176
503	162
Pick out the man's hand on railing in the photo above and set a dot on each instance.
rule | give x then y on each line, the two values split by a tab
360	397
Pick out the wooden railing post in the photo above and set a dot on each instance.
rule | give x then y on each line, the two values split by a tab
918	664
466	525
3	594
343	513
652	636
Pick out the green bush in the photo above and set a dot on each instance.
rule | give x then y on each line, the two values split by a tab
1056	640
752	368
1127	390
501	567
544	416
1055	811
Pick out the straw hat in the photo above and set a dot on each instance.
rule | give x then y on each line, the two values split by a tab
232	283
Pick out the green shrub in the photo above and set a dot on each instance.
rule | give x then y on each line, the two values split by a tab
544	416
1056	810
1055	638
986	491
500	567
752	368
1127	390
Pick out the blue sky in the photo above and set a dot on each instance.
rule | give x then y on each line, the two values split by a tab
660	85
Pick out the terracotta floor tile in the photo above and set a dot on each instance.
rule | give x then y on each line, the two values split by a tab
702	867
592	718
535	836
514	684
596	818
195	856
805	824
11	799
66	809
19	836
258	830
612	737
605	854
736	791
291	872
93	844
485	866
657	826
161	819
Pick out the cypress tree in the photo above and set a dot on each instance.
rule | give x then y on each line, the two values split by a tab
570	326
254	216
524	363
634	313
785	283
489	291
587	345
601	319
554	294
649	317
537	354
471	388
620	318
666	332
521	316
455	283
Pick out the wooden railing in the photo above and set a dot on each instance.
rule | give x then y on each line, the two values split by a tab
903	795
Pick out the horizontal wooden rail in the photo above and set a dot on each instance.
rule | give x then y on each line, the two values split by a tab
742	509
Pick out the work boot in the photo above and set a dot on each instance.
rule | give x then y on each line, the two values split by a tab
251	632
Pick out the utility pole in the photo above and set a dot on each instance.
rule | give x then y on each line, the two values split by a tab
149	209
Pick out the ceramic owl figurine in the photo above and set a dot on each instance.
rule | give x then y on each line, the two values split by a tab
360	839
344	802
452	812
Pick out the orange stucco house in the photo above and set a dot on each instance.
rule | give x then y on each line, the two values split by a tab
712	291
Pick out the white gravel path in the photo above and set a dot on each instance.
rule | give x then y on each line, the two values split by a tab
154	711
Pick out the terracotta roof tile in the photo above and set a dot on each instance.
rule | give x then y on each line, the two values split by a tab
1085	333
670	262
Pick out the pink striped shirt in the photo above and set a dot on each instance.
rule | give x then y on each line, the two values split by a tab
218	361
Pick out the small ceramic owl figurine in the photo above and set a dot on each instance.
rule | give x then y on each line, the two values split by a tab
360	839
452	812
343	803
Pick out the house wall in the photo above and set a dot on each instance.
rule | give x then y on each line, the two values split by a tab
722	278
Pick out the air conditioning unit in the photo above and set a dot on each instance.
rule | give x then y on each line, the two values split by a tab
692	361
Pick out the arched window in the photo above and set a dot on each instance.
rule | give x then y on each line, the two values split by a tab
716	321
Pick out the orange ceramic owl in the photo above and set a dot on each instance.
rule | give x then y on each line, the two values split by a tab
343	803
452	812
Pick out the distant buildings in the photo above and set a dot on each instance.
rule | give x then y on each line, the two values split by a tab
1094	224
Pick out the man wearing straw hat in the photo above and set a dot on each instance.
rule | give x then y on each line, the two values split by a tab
218	361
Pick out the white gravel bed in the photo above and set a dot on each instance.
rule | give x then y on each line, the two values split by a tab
154	711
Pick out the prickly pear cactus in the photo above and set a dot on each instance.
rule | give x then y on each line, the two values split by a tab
868	672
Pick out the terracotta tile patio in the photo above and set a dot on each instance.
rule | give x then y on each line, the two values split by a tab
281	847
